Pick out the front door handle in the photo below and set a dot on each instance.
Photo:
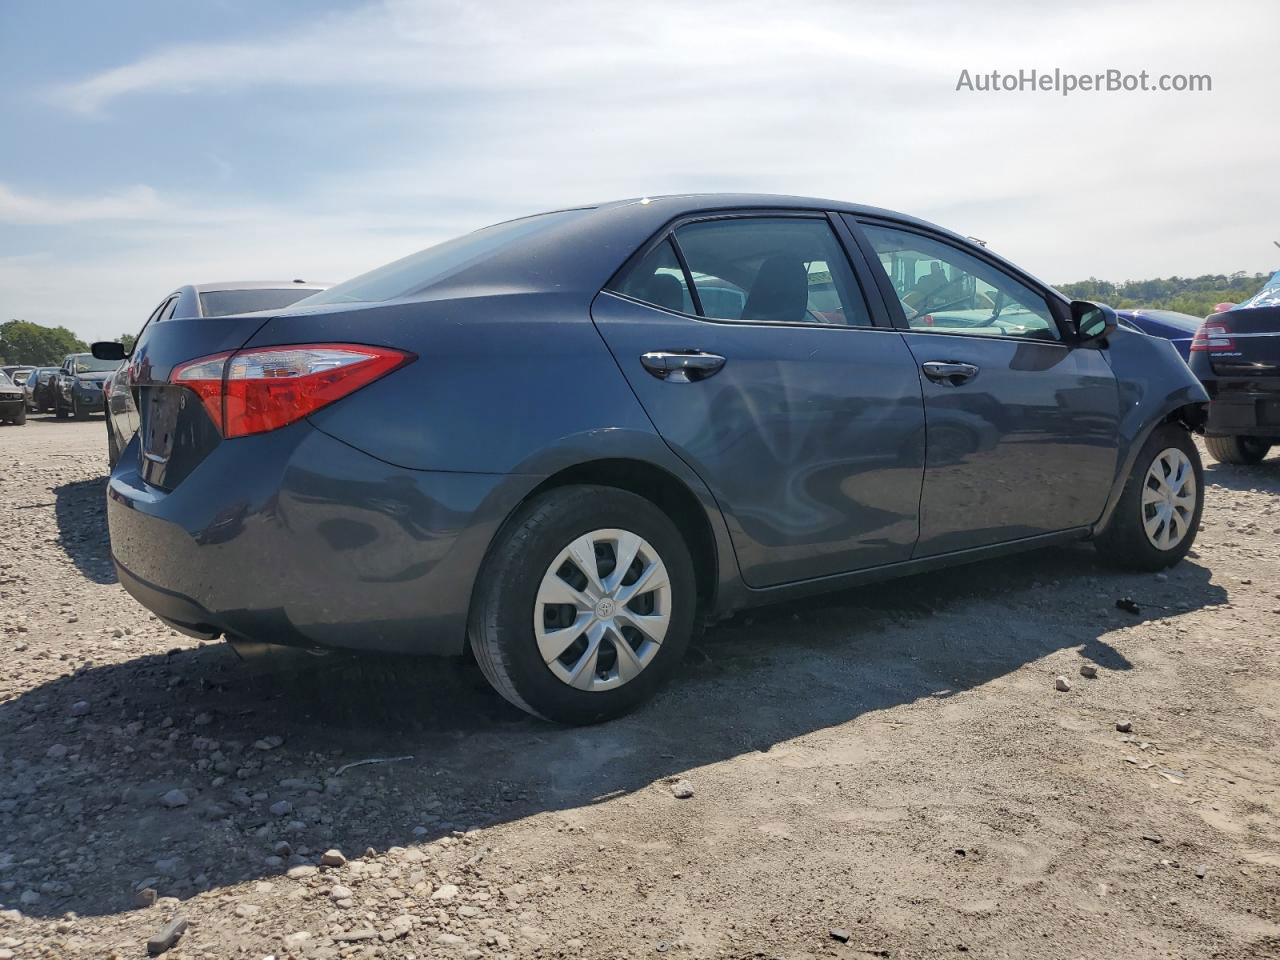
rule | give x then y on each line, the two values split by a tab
681	366
949	371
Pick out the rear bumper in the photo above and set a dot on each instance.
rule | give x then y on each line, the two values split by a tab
293	537
1244	407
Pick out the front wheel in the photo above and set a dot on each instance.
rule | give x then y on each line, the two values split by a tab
20	417
1245	451
1155	522
585	604
77	411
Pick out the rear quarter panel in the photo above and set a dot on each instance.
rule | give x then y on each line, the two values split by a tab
518	383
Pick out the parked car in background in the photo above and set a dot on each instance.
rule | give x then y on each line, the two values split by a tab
13	402
41	389
1177	328
538	439
78	385
194	301
17	373
1236	355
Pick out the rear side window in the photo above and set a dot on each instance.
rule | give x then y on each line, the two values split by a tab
752	270
659	279
227	303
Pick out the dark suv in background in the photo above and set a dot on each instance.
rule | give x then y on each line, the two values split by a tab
194	301
78	385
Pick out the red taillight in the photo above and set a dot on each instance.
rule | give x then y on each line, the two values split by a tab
253	391
1213	335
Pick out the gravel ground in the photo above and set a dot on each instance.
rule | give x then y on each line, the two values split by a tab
887	772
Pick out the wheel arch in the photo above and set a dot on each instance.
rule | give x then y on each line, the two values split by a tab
1185	411
661	488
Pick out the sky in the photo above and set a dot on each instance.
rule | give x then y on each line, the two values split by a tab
150	143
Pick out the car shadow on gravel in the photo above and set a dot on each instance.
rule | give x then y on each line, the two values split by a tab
259	754
1263	477
81	512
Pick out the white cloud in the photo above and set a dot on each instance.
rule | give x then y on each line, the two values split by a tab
533	106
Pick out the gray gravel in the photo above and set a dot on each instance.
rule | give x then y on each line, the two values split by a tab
891	763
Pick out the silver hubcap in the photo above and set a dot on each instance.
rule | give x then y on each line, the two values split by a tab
1169	498
603	609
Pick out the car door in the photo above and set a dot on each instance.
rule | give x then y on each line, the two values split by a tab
64	380
751	346
1022	424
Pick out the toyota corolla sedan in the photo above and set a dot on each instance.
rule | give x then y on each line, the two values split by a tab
563	441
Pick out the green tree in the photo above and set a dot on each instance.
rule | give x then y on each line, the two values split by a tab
128	339
1194	295
25	342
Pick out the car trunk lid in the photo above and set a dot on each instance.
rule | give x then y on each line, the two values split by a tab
175	431
1244	342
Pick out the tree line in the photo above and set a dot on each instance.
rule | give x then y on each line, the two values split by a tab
1194	295
32	344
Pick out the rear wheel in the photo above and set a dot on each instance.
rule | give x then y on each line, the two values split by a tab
1240	450
585	605
21	416
77	411
60	411
1155	522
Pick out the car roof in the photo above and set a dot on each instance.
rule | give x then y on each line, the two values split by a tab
576	256
226	285
678	204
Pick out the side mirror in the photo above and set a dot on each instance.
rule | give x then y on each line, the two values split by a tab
108	350
1094	321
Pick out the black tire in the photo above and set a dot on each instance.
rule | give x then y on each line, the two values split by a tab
1124	543
501	627
1244	451
21	417
79	412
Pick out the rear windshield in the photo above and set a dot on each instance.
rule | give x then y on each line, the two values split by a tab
420	270
88	363
226	303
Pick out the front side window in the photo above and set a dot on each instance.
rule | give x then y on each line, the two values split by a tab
942	289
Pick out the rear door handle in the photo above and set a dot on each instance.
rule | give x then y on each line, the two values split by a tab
949	371
682	366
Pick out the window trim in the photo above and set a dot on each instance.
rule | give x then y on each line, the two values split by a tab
1053	300
853	258
168	301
